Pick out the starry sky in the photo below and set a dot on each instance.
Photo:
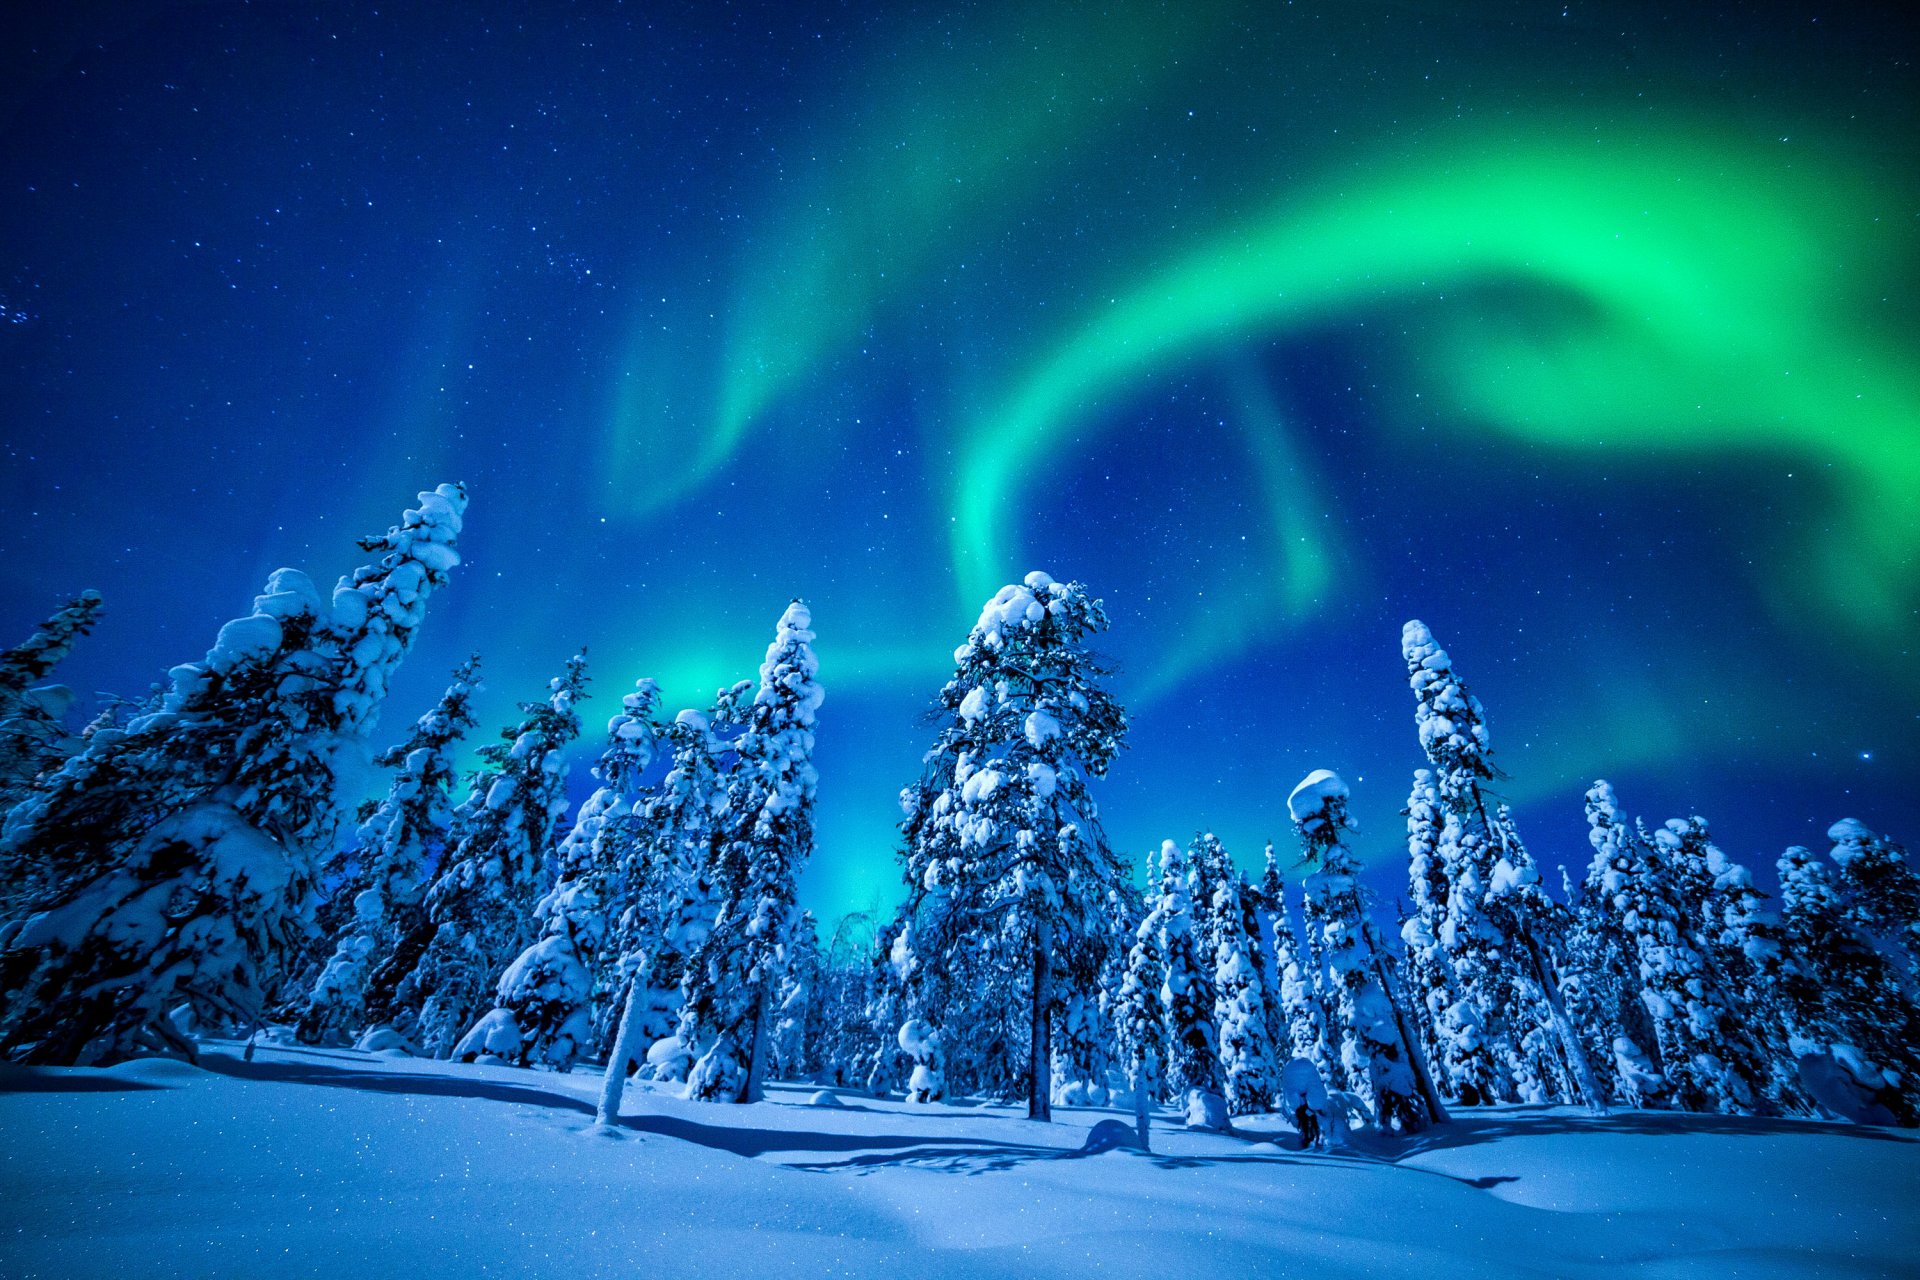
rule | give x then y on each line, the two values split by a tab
1584	332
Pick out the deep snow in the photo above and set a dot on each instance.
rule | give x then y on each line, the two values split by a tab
310	1162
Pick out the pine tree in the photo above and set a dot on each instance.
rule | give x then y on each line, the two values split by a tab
543	1017
1689	1021
180	851
1602	970
1747	936
1140	1021
1082	1039
1882	894
1692	863
1463	1059
1193	1049
798	998
1499	921
667	893
1306	1030
1271	897
1208	867
482	898
33	735
729	1012
1240	1001
1374	1052
1844	1002
383	874
1002	838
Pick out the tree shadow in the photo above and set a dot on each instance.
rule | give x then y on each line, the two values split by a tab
22	1079
1470	1128
746	1140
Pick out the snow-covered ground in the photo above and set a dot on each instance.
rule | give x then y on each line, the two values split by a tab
334	1163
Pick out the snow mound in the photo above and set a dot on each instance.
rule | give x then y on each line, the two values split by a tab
826	1098
384	1039
156	1069
1207	1111
1110	1135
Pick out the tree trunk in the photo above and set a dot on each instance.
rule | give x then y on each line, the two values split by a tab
1040	1066
1563	1026
1409	1040
1143	1073
613	1085
751	1090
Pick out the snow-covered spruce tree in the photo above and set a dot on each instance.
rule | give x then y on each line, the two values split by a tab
1002	836
1193	1048
842	993
1746	935
33	734
1602	964
1271	897
180	851
1082	1037
383	872
1209	866
543	1015
668	897
1375	1054
1844	1002
1461	1059
480	904
1499	921
1140	1021
1689	1021
1882	893
1690	861
729	1010
1306	1030
797	999
1240	1000
34	658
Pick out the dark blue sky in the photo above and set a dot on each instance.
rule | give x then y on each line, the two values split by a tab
1584	333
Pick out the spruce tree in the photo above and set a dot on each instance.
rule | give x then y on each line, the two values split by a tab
1693	862
1002	837
1689	1020
1602	971
1193	1047
1306	1035
1463	1059
729	1012
1844	1000
33	735
543	1014
383	873
1882	894
1247	1061
1374	1052
180	852
481	901
667	894
1271	898
1499	921
1140	1024
1208	867
798	1001
1748	937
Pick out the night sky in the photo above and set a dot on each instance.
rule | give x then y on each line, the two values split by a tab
1584	332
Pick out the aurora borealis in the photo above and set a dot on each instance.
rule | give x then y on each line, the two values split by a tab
1584	333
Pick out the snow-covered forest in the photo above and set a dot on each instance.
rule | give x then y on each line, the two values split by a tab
202	862
228	861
